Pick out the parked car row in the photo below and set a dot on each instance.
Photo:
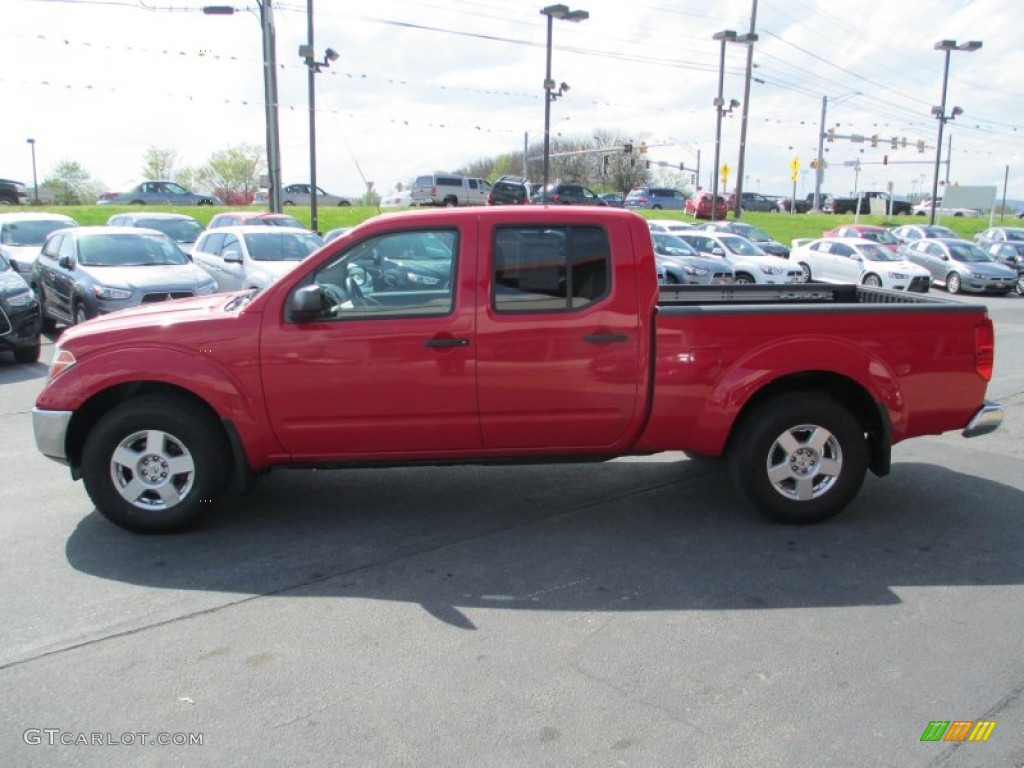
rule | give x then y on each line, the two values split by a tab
914	257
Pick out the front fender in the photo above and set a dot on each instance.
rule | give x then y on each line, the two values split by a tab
232	391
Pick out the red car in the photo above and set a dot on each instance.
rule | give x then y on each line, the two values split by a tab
879	235
699	206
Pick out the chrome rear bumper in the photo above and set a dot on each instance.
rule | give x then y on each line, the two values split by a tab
987	419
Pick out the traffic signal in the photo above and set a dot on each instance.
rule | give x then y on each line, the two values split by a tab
627	148
831	134
647	164
885	159
874	140
895	142
920	145
643	147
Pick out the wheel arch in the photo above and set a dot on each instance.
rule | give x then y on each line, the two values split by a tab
871	415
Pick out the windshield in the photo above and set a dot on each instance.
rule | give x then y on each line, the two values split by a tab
935	230
741	246
282	245
128	250
879	236
179	230
30	233
967	252
752	233
670	245
877	253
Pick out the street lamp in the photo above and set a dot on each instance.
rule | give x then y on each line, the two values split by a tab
35	183
306	52
725	36
553	12
940	112
269	93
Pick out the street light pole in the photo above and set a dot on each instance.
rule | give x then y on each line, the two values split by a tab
35	183
306	52
940	112
725	36
553	12
746	111
269	94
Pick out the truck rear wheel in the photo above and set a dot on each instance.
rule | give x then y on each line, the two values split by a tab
155	464
799	458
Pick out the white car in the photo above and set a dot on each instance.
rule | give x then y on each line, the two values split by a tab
252	256
669	225
749	263
23	234
858	260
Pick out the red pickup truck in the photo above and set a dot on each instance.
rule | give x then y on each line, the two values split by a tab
506	334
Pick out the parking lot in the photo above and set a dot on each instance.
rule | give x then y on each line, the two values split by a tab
631	613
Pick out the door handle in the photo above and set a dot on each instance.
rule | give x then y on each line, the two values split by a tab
446	343
604	338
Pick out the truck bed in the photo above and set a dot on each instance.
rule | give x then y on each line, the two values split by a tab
814	294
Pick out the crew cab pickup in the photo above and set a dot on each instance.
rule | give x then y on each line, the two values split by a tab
545	338
892	206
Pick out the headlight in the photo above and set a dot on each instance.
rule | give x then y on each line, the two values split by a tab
104	292
205	289
978	276
21	298
771	270
898	275
695	271
422	279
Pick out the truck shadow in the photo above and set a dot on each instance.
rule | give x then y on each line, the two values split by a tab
621	536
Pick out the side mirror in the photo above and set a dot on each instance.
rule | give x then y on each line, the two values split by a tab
304	305
64	262
718	251
232	256
944	257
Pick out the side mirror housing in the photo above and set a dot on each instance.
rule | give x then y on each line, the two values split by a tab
304	305
232	256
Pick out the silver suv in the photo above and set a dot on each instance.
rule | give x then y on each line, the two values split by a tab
449	190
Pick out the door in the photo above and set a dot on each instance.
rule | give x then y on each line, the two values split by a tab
844	263
380	371
232	272
558	340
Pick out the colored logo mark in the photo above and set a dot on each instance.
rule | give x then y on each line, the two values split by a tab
958	730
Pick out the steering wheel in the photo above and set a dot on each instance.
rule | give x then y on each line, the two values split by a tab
331	298
355	293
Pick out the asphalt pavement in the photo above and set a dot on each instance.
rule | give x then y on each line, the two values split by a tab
630	613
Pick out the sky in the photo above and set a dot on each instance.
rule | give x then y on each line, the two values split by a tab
431	85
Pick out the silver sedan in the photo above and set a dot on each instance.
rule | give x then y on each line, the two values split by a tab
960	265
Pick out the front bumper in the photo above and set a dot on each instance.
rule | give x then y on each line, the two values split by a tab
51	431
987	419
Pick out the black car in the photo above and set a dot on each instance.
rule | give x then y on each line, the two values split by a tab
509	190
568	194
20	321
1011	254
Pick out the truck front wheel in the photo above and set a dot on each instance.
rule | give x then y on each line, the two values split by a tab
155	464
799	458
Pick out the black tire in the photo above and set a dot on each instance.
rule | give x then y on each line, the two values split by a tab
451	202
655	207
78	314
47	323
1019	286
799	444
953	283
873	281
344	204
28	354
742	278
167	501
806	270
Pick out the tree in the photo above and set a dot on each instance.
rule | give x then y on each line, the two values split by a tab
233	174
159	163
71	183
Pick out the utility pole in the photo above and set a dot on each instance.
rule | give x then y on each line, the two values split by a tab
743	119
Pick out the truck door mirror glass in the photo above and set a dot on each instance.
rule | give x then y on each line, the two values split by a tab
304	305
